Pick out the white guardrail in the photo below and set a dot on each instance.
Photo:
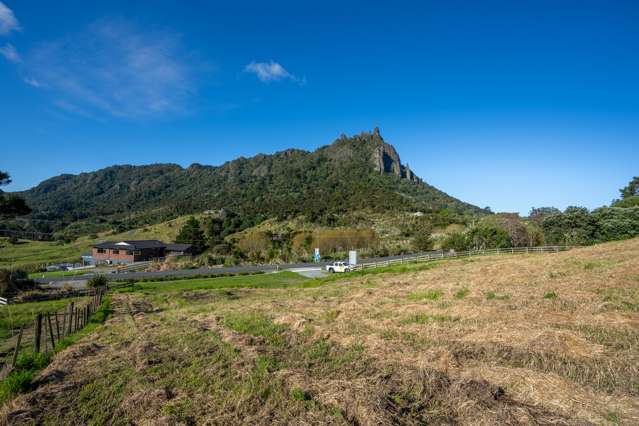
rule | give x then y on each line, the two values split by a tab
461	254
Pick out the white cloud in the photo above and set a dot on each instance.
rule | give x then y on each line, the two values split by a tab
8	21
32	82
271	71
114	68
10	53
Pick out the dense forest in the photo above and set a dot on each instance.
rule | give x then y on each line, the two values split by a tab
352	174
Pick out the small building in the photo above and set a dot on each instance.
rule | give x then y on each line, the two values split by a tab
136	251
178	250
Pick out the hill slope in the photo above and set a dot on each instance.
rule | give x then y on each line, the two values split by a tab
530	339
361	172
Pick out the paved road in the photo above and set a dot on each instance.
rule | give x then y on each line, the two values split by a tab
80	280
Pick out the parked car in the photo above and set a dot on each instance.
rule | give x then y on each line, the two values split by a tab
338	267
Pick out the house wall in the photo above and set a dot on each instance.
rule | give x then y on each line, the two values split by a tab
123	257
120	257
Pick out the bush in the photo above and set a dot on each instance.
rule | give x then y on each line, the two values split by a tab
456	241
97	281
489	236
12	281
578	226
632	201
422	242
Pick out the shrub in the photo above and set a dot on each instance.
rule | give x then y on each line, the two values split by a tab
14	281
97	281
422	242
578	226
456	241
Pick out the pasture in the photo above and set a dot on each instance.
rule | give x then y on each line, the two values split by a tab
548	338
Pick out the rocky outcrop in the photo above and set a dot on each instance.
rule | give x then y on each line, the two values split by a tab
386	159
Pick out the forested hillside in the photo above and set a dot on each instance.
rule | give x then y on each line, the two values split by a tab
353	173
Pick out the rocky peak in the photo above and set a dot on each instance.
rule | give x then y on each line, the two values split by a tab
386	159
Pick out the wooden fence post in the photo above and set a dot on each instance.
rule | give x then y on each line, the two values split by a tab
51	332
57	326
70	324
15	352
37	331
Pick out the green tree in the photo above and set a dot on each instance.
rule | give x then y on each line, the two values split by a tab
537	214
457	241
632	189
214	231
97	281
422	241
489	236
12	281
11	205
191	233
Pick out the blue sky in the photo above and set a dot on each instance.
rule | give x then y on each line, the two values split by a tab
500	103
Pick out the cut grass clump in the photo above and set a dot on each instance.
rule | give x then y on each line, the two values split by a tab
462	293
300	395
491	295
430	295
613	417
20	379
331	315
258	326
621	299
550	295
426	318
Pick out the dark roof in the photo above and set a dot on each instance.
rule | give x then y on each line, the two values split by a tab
131	244
178	247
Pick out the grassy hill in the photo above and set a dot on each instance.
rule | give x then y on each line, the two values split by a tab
525	339
32	253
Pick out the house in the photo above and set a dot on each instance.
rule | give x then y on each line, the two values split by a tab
136	251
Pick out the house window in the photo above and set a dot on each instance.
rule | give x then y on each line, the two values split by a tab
115	251
101	250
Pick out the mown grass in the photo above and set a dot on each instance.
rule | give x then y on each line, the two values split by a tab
57	274
428	318
393	269
275	280
461	293
425	296
550	295
491	295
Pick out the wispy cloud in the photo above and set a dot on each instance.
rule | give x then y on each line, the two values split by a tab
271	71
8	21
112	67
32	82
10	53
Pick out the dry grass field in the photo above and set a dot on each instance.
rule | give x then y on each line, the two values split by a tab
530	339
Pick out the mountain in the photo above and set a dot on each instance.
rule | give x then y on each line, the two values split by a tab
362	172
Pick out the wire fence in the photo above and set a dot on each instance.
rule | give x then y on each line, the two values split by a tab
461	254
46	330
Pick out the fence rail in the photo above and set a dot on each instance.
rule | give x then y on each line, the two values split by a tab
50	328
453	254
